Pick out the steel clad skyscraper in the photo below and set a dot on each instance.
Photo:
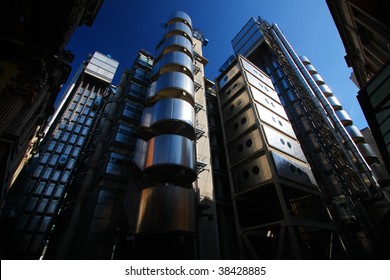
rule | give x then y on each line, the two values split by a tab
350	186
33	205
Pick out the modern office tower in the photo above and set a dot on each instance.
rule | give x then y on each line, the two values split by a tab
100	225
173	152
366	150
278	208
365	31
352	194
162	205
33	66
33	204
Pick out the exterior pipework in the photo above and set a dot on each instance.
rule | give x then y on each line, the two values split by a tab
367	153
321	102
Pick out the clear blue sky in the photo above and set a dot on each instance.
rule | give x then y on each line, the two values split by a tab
123	27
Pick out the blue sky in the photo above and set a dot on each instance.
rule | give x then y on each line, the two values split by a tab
123	27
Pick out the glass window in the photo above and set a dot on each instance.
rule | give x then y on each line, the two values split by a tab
60	147
70	127
76	152
82	119
38	171
47	173
65	136
71	164
59	191
67	115
72	106
80	141
68	149
86	111
56	134
77	128
56	175
79	109
85	131
51	146
52	208
117	164
65	177
73	139
39	188
54	160
89	122
45	158
42	205
45	223
49	190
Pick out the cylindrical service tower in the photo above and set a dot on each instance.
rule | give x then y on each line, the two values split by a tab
166	153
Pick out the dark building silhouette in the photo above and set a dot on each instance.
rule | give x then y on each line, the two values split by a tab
33	67
364	28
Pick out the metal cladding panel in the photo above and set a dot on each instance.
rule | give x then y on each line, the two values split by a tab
274	120
180	27
367	152
283	143
139	155
326	90
251	174
354	132
170	115
245	146
174	61
169	109
172	85
172	157
167	209
176	43
269	103
318	79
228	76
304	60
259	86
102	67
234	106
335	103
232	89
311	69
344	117
240	124
179	15
293	171
257	73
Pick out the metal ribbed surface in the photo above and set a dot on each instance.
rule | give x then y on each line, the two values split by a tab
172	85
318	79
180	16
179	28
355	133
335	103
367	152
176	43
304	60
174	62
166	209
170	115
171	157
344	117
311	69
326	90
